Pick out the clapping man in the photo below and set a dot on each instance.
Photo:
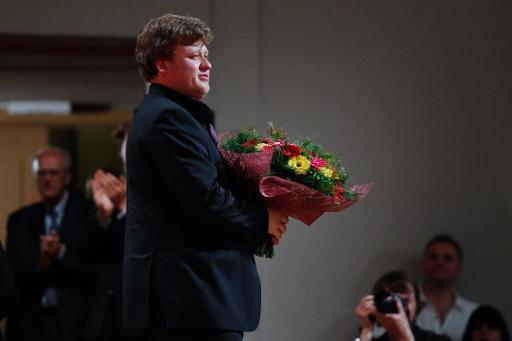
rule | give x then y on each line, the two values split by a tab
109	194
47	254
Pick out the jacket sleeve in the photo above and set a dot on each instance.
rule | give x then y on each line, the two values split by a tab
82	245
24	266
6	284
179	147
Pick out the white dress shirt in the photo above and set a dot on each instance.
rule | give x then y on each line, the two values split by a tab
455	322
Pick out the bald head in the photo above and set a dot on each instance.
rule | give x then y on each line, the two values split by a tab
51	167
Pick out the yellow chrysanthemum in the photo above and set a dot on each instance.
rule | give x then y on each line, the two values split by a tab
299	164
326	172
260	146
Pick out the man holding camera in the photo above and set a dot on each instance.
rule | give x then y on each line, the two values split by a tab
393	305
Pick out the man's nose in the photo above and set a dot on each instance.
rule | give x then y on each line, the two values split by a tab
205	64
46	177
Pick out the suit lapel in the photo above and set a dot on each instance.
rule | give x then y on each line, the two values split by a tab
38	219
66	223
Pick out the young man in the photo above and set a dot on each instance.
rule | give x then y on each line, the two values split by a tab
444	311
189	270
398	326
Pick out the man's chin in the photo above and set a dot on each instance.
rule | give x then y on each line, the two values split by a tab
50	197
205	89
201	93
441	282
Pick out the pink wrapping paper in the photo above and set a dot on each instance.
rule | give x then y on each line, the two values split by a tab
251	166
302	202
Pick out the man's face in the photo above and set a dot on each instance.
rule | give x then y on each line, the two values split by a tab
440	264
410	297
52	178
188	71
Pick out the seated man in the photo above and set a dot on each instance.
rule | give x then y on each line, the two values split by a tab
443	311
393	305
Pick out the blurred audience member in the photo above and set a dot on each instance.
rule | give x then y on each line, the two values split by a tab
444	311
109	194
6	287
393	305
44	249
120	135
486	324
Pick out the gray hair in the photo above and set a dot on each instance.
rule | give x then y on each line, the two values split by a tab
47	150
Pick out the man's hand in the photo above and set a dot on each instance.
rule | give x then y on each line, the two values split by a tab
364	310
104	206
50	245
276	225
109	193
114	188
397	325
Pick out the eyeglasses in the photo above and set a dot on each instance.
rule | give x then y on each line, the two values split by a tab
50	172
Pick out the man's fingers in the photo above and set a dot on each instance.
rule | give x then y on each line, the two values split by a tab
112	185
282	228
98	174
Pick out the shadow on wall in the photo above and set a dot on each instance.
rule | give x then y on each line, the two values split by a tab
342	328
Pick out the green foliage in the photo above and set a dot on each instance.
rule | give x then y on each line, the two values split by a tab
244	141
301	161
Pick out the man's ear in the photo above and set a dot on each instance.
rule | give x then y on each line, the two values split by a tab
161	65
67	178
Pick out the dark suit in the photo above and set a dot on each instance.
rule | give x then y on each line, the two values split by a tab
6	286
67	275
105	316
190	230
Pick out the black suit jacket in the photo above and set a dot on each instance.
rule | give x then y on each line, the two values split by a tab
68	275
106	300
6	286
190	232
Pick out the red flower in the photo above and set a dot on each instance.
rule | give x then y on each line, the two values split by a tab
250	143
291	150
338	191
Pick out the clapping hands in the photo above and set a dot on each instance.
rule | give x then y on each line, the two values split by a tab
109	193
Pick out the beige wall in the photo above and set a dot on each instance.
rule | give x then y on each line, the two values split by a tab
415	96
17	146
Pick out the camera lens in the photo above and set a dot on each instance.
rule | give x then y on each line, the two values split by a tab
386	301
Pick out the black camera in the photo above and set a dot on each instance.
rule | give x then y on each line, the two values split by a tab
386	301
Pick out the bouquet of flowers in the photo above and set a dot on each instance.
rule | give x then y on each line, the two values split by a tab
299	178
